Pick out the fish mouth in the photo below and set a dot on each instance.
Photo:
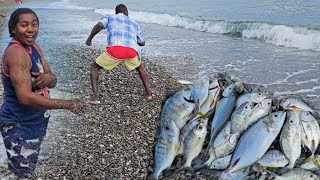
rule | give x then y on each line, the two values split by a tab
213	87
189	100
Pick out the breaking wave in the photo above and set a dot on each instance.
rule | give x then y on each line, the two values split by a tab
281	35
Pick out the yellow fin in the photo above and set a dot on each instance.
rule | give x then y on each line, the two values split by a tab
201	115
313	159
176	149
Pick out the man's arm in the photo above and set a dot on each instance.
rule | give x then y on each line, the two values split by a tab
95	30
141	43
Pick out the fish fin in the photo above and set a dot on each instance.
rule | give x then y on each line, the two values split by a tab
313	147
313	159
272	173
231	167
283	170
176	149
316	114
183	168
206	154
152	176
201	114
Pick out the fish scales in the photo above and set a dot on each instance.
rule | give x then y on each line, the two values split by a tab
290	137
256	141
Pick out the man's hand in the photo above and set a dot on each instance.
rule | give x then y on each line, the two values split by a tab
41	80
88	42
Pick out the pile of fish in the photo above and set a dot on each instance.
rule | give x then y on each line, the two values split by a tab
220	125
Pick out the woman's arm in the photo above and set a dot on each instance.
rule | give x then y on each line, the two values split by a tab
44	79
18	66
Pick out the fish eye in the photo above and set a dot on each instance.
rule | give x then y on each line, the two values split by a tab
308	113
167	128
275	115
291	121
199	127
260	93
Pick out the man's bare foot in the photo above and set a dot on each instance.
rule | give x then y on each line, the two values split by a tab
94	101
149	98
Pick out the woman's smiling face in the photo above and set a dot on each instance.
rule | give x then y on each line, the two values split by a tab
26	29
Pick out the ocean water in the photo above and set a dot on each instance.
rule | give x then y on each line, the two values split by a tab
272	43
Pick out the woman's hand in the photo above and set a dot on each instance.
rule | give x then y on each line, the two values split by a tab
76	106
43	80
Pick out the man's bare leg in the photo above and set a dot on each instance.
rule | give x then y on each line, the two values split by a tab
145	80
94	77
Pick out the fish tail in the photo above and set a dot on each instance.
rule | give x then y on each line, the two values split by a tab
152	176
202	166
201	114
206	154
313	147
273	174
185	168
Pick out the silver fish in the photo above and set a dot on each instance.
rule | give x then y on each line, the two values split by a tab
221	163
310	131
256	141
211	100
224	144
239	118
193	143
250	97
290	137
298	174
297	104
186	129
258	111
273	158
166	148
199	92
223	111
178	108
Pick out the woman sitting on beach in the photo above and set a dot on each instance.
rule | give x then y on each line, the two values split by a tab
26	77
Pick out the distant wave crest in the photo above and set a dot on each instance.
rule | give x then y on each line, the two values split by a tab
281	35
